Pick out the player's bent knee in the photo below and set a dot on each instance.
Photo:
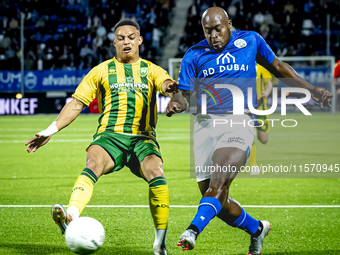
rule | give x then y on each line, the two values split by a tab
98	160
218	191
95	167
152	167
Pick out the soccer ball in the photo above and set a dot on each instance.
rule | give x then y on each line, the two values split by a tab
84	235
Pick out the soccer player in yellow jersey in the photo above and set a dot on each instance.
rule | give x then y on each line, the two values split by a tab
126	89
263	88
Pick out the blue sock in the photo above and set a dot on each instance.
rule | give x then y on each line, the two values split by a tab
247	223
209	207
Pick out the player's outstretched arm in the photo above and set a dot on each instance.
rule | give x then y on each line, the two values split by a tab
319	94
178	103
68	114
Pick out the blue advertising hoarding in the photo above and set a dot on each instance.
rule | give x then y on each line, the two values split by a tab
41	81
68	80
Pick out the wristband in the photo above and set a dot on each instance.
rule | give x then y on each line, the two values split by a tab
51	130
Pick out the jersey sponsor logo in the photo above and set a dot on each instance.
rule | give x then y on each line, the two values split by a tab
143	71
226	57
129	86
225	62
112	71
240	43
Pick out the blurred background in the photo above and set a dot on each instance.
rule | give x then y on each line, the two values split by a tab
47	47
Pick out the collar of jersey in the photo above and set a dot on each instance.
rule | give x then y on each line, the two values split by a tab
137	62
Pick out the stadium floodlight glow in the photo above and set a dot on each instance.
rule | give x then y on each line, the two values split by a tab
18	96
238	100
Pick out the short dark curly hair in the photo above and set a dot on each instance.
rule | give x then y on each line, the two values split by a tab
126	22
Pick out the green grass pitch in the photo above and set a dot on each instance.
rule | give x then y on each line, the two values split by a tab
47	177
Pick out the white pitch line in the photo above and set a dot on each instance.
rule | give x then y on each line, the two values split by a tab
182	206
89	140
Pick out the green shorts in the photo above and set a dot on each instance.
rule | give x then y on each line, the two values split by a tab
266	123
127	150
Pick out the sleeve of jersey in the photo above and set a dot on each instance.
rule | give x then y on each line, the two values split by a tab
160	76
187	73
264	49
337	70
87	89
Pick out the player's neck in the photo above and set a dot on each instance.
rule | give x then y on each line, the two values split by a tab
128	61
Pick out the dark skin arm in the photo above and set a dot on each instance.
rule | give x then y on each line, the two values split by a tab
177	103
287	74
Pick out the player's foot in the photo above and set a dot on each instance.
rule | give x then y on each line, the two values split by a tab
60	217
256	243
159	249
187	240
159	245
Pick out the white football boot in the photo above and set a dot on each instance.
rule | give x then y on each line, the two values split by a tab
256	243
187	240
159	246
60	217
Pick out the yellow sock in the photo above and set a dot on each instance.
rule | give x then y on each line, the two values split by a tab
159	202
252	156
83	188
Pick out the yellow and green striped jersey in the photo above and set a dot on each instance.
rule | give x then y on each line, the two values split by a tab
263	76
126	95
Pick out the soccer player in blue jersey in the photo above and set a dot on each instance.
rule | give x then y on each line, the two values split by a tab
227	57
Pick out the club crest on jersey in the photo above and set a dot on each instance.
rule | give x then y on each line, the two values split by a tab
240	43
143	71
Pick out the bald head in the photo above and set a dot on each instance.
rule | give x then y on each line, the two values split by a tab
214	13
216	26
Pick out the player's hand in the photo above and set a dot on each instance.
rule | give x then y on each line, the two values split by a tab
172	108
171	86
36	142
177	104
321	96
264	94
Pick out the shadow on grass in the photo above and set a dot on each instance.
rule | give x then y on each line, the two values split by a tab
20	248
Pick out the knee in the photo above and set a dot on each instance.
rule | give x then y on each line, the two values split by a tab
218	191
96	166
152	167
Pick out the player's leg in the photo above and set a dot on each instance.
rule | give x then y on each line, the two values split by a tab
263	136
147	152
216	195
204	143
230	214
98	162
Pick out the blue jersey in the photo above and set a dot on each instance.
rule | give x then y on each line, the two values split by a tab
202	67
